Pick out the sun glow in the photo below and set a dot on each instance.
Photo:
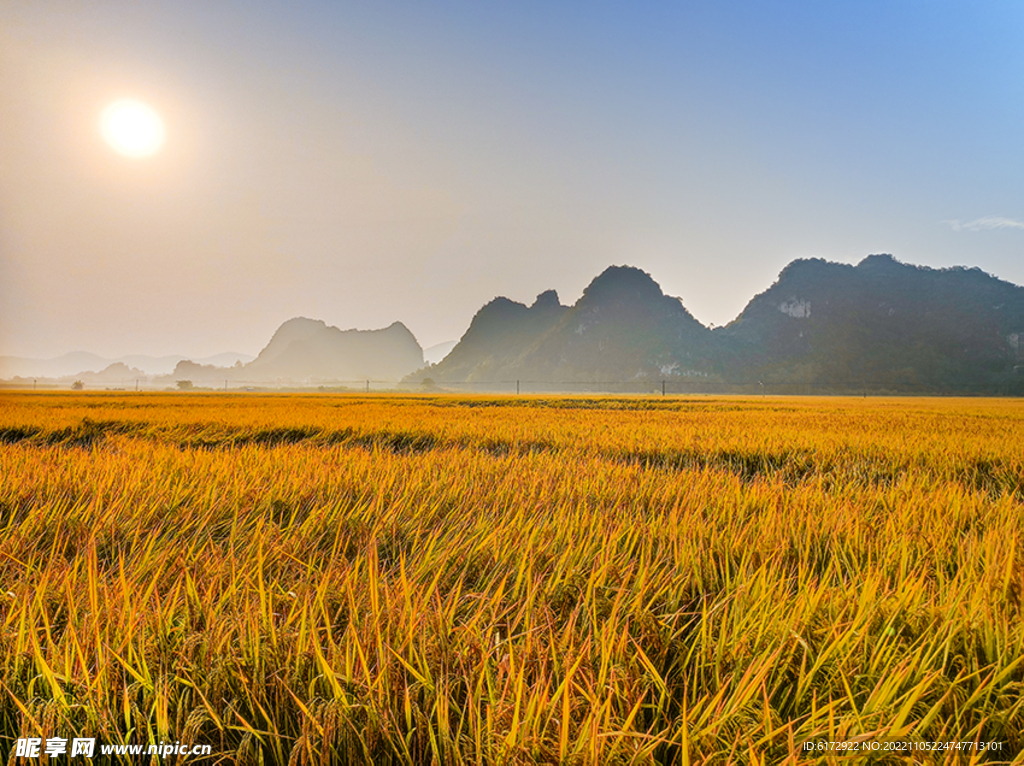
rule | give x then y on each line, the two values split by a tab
132	128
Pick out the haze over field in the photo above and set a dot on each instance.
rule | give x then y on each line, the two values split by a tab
180	178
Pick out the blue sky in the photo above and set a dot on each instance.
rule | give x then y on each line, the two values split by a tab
369	162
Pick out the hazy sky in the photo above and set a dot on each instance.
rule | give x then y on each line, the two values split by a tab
366	162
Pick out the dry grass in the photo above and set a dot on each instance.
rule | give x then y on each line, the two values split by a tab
343	579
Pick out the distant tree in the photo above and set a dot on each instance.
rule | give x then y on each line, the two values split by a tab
185	385
77	385
428	384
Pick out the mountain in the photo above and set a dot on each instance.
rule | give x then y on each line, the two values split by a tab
438	351
76	363
500	332
881	323
117	374
622	327
301	351
212	375
310	351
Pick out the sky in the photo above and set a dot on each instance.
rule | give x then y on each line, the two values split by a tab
371	162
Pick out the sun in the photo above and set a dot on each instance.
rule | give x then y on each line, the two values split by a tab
132	128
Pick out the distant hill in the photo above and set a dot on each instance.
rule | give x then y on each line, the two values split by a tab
438	351
77	362
880	324
310	351
301	352
498	335
623	327
117	374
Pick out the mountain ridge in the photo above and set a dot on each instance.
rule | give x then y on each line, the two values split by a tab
310	350
78	362
879	323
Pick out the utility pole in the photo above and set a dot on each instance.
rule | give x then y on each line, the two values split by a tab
367	386
225	385
136	384
662	388
517	388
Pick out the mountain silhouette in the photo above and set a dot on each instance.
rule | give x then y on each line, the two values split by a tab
623	326
310	351
498	335
881	324
79	363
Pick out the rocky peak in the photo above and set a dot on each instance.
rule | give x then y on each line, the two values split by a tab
546	301
622	283
881	264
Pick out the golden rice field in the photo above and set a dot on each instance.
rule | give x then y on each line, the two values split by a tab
442	580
